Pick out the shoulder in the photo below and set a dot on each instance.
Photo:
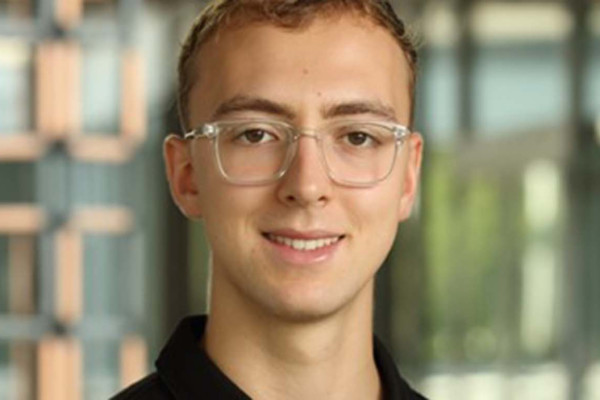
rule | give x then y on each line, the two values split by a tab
149	388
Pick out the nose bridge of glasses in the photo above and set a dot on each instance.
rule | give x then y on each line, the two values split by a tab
308	133
298	153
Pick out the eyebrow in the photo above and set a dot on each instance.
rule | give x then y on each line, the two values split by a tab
246	103
328	111
360	107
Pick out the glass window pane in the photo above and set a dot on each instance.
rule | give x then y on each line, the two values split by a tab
16	9
99	9
4	283
438	87
592	86
101	88
17	369
111	278
101	369
17	181
103	184
519	87
16	86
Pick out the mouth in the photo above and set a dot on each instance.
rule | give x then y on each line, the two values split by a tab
305	244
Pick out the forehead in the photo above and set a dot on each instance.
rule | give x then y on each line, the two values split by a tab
331	59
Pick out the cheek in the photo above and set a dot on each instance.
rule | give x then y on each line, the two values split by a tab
223	206
226	223
217	198
374	217
377	206
230	211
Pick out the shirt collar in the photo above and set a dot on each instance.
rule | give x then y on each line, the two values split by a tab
191	374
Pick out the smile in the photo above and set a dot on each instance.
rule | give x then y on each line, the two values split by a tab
304	244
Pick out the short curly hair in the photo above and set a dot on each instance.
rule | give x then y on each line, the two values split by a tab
289	14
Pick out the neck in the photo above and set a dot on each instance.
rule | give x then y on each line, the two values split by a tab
270	357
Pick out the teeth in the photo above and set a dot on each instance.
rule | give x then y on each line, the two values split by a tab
307	245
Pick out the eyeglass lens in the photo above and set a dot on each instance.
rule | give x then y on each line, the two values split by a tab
359	153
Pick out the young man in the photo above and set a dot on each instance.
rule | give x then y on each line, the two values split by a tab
300	163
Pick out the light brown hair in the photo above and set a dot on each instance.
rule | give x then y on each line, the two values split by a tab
288	14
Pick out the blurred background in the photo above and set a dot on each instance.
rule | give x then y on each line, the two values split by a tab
492	290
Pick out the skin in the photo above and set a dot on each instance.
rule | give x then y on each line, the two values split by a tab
282	330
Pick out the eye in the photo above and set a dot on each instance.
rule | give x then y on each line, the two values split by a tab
255	136
359	139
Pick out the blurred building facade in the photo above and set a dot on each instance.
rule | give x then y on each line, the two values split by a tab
491	292
73	128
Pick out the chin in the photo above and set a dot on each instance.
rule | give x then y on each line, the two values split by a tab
301	314
307	306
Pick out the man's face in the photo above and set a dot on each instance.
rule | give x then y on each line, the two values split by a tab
332	63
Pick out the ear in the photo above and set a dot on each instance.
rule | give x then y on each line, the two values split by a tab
412	173
180	174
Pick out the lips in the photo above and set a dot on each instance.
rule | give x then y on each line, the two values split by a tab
304	241
303	248
304	244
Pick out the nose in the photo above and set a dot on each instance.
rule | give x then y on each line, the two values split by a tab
306	183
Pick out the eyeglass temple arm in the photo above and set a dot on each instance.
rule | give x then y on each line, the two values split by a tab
206	130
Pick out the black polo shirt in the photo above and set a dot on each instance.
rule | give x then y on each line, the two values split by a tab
184	372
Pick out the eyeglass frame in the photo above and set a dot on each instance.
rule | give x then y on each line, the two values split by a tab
211	131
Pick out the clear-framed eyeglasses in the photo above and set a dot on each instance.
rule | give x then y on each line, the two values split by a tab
260	151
